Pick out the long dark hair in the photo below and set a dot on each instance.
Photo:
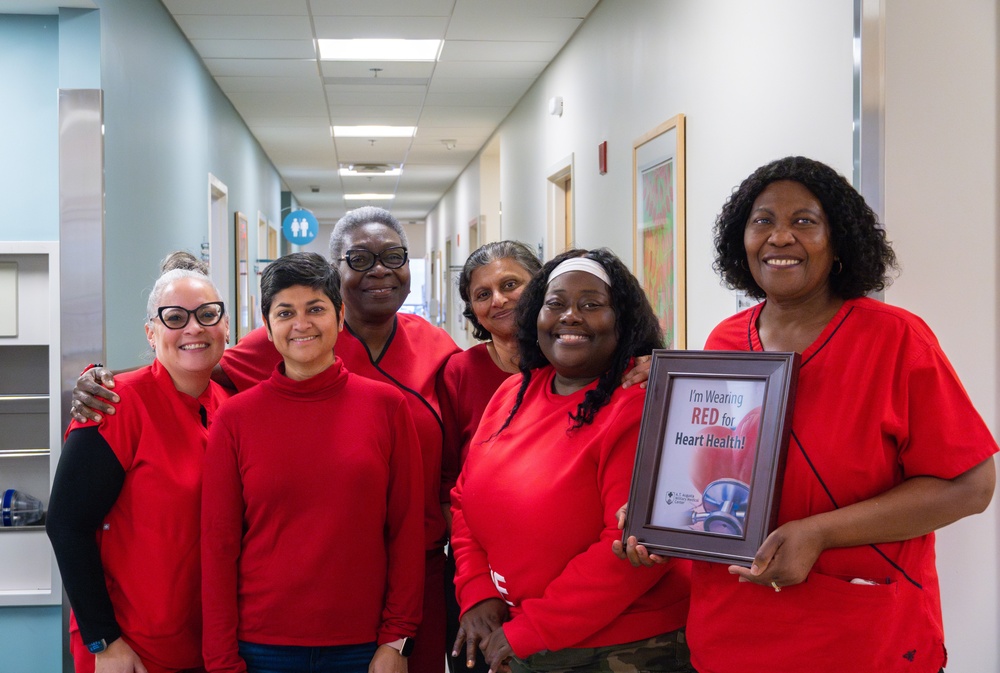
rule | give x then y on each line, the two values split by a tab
636	328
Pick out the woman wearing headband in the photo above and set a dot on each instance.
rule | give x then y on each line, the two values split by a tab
550	462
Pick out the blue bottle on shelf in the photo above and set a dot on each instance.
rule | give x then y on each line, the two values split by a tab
20	509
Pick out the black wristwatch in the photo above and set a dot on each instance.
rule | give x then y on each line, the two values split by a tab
97	646
403	645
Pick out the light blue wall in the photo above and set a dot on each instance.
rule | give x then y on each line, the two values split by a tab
167	127
79	49
29	79
31	639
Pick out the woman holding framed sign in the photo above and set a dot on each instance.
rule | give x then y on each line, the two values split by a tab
886	446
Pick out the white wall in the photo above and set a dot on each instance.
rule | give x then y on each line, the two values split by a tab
942	211
762	79
756	80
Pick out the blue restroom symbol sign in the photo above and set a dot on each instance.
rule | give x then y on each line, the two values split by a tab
300	227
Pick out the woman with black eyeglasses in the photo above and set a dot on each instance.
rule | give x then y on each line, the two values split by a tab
124	514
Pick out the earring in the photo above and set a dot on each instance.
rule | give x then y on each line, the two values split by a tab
840	267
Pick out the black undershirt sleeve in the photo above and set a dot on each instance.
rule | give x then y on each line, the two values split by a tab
88	481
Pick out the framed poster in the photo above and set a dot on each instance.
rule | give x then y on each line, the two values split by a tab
711	455
658	217
242	313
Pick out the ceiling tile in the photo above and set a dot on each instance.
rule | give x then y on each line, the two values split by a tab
513	87
262	67
199	27
271	84
382	7
373	96
255	48
238	7
482	50
257	104
397	27
362	70
492	69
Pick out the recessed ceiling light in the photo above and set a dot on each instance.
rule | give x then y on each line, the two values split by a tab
379	50
369	197
373	131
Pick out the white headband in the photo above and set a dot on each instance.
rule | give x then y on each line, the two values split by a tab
580	264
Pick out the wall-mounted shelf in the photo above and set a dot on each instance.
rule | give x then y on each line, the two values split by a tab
31	437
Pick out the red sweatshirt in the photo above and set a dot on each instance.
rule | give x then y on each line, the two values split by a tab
534	519
411	360
311	517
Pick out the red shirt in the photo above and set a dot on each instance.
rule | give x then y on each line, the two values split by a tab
877	402
468	382
411	361
150	541
312	530
535	515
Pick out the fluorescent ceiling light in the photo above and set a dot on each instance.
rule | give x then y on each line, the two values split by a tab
379	50
369	197
373	131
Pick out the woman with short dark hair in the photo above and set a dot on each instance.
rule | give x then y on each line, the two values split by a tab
306	460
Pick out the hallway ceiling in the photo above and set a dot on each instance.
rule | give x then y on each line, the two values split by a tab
262	54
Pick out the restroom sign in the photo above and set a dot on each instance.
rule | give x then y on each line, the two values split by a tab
300	227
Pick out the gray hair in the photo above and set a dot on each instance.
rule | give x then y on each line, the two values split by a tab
358	218
182	259
165	279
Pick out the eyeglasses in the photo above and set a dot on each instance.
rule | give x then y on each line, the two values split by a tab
362	260
177	317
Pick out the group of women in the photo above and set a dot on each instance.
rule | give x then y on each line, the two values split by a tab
535	467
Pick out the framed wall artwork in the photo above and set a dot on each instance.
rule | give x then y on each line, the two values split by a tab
241	314
658	216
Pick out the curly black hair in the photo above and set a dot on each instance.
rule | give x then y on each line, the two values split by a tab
636	327
858	241
487	254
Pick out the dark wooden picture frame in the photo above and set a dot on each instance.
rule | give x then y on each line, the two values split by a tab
711	454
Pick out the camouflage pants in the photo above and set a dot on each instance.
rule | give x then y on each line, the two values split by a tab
666	653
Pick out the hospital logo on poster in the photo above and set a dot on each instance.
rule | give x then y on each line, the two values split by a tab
300	227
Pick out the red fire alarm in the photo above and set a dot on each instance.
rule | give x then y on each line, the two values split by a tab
602	157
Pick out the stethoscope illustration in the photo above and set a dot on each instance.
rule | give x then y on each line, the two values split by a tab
725	503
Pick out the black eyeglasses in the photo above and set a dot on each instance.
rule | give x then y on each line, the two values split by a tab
362	260
177	317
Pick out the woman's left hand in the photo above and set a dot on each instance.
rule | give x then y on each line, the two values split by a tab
497	651
387	659
786	557
638	374
910	509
